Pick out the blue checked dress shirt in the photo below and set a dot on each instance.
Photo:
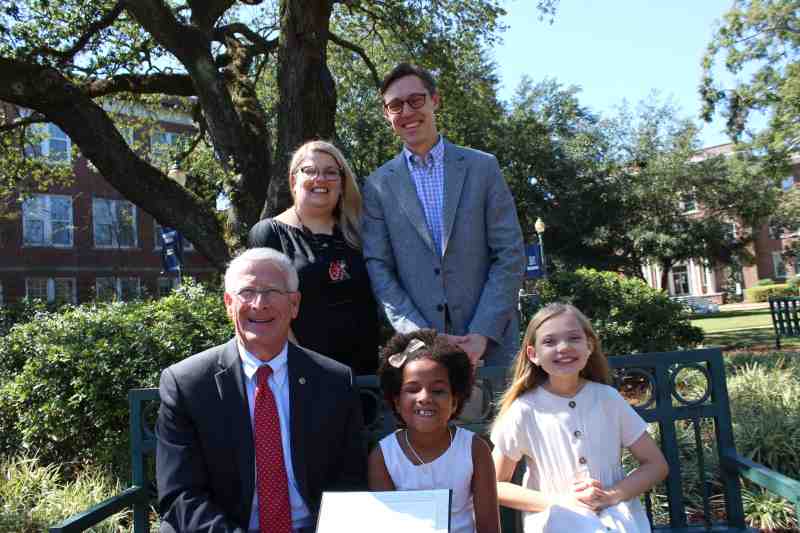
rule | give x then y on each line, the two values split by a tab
428	176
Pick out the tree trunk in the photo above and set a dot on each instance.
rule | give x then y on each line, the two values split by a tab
307	93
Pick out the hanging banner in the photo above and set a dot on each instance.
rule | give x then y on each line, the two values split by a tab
171	249
533	267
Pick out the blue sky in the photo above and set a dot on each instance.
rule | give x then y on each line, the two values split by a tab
614	50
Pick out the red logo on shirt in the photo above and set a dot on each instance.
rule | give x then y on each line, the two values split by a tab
338	270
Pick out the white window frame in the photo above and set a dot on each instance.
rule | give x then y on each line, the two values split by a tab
50	288
187	246
116	283
108	208
51	135
672	278
44	214
778	266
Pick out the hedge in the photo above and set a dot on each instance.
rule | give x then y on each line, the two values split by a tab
763	292
64	378
628	315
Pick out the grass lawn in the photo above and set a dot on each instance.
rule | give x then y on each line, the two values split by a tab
745	319
737	330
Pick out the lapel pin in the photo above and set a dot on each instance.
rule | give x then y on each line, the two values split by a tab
302	381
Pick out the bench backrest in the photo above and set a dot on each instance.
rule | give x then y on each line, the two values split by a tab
785	312
659	379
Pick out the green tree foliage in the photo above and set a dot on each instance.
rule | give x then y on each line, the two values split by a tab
556	155
681	203
64	377
255	74
614	192
628	315
758	41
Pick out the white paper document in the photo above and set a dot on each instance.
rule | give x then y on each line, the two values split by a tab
411	511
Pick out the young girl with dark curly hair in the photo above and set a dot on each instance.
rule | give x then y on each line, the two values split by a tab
426	381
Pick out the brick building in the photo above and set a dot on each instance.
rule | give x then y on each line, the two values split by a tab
698	278
85	241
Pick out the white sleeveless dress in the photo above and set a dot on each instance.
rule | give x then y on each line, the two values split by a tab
451	470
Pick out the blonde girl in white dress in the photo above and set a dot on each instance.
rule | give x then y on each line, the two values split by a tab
560	415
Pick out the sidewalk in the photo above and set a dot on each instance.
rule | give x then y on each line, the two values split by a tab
744	306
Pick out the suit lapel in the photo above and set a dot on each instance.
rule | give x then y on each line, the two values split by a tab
300	405
455	173
233	400
406	194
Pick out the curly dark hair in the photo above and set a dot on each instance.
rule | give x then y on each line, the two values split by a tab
406	69
454	359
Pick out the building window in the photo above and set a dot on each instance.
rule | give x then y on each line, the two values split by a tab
162	144
730	232
778	265
187	246
680	280
47	221
1	293
166	285
114	223
56	290
775	231
51	142
688	203
117	288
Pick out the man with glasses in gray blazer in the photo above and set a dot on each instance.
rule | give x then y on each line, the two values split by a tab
441	238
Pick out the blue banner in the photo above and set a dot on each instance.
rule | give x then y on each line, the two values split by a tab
533	267
171	249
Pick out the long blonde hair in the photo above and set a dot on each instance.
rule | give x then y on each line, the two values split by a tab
348	210
528	376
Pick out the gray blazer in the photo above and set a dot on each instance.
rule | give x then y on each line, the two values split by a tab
479	276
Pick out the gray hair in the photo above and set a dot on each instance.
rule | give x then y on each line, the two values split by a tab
268	255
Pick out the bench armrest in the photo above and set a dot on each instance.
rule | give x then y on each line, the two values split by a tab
765	477
102	510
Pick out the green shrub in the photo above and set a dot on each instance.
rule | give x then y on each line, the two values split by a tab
794	283
764	282
762	293
21	312
68	398
36	496
765	408
629	316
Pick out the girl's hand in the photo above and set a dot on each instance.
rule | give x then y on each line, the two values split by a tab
591	493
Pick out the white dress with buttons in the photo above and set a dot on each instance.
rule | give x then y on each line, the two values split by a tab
563	439
451	470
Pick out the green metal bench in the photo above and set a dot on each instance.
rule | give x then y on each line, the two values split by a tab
657	379
785	311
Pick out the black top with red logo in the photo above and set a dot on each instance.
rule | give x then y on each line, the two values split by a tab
338	315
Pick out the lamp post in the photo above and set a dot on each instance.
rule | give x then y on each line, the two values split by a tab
540	227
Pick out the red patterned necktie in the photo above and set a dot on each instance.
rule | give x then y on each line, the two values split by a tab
274	510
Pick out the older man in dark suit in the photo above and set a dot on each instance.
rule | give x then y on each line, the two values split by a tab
251	432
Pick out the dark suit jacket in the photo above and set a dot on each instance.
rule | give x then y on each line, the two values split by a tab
205	462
